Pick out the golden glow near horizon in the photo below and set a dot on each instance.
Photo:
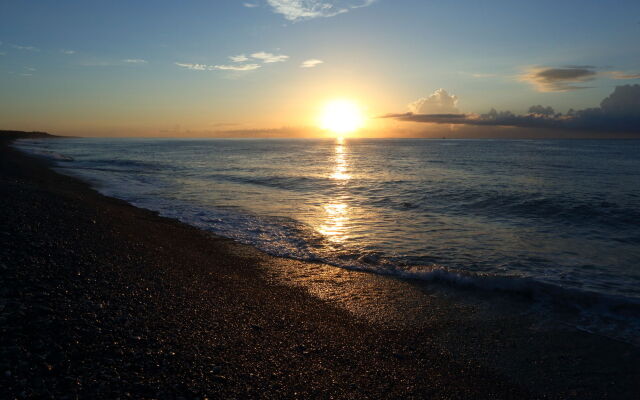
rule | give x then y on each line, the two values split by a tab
341	117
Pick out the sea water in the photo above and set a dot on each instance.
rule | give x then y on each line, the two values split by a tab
547	218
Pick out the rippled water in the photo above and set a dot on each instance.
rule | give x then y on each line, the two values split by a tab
565	214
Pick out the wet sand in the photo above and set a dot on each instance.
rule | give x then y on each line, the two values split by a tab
99	299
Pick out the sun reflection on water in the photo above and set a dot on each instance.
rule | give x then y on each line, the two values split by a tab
340	168
336	212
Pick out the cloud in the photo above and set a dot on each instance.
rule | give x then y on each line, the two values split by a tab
68	52
300	10
546	79
243	67
541	110
619	112
269	57
623	75
25	48
205	67
262	56
239	58
440	102
194	67
134	61
250	5
311	63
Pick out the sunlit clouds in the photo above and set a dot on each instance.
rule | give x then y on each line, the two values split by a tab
618	112
439	102
300	10
243	67
250	62
269	58
311	63
205	67
546	79
239	58
620	75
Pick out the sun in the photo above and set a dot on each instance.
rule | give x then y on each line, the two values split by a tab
341	117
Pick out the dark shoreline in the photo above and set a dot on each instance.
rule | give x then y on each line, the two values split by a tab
100	299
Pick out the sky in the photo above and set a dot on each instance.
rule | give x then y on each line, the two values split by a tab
266	68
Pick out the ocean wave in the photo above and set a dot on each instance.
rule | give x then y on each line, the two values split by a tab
48	154
295	183
570	211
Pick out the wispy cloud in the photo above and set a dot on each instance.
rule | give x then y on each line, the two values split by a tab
205	67
25	48
134	61
239	58
299	10
68	52
194	67
243	67
250	5
269	57
311	63
481	76
564	79
623	75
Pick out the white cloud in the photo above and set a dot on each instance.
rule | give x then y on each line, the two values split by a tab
298	10
311	63
440	102
239	58
193	67
269	57
26	48
68	51
134	61
250	5
243	67
205	67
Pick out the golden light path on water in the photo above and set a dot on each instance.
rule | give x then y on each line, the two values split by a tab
335	223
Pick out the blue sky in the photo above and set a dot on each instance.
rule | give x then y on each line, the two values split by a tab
130	68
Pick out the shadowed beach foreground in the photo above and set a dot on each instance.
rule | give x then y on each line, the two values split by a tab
99	299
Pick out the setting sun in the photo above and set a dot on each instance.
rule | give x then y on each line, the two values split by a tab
341	116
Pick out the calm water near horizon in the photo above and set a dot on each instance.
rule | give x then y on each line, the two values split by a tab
552	216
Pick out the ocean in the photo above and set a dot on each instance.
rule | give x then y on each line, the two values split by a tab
552	220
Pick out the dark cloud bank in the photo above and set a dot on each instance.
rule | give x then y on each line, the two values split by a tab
619	113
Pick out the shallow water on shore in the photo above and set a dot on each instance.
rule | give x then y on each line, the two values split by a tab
547	219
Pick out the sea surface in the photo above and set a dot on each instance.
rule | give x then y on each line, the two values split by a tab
548	219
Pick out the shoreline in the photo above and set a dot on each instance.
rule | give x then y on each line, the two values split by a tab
181	312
